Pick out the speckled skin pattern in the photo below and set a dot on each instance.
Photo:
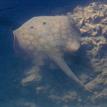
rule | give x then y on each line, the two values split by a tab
51	33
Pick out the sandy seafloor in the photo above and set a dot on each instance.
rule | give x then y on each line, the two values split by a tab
13	13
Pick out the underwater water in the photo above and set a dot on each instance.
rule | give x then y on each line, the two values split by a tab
50	87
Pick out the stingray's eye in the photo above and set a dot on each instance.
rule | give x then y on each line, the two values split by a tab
44	23
31	27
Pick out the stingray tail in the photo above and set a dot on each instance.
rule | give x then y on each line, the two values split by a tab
65	68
